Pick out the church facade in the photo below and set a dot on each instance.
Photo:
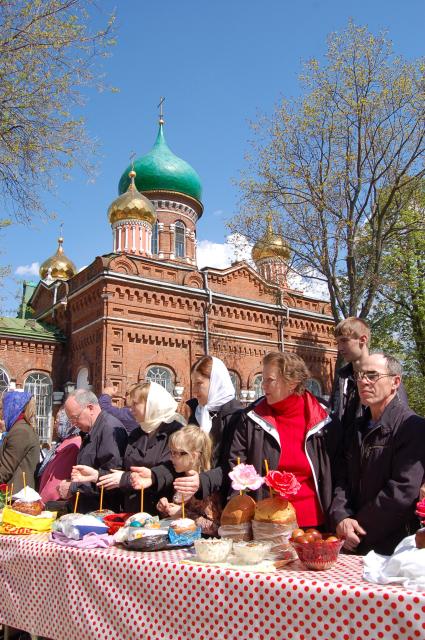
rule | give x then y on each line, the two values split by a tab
146	312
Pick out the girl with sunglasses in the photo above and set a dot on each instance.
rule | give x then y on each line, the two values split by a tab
190	450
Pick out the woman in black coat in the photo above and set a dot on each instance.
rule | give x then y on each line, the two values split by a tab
212	408
155	411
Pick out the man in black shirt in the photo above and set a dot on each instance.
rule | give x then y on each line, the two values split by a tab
104	440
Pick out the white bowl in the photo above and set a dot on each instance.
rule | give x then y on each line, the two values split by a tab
250	552
213	549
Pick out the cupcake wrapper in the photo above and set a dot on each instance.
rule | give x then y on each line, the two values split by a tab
183	539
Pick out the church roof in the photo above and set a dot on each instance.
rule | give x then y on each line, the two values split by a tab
162	170
30	329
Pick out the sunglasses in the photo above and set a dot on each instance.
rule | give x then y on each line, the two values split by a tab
178	454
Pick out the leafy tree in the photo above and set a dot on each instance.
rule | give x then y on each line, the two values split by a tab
346	154
49	51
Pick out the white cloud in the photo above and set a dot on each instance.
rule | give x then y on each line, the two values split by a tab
28	269
312	288
221	255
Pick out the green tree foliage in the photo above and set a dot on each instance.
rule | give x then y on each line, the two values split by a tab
49	51
398	319
346	154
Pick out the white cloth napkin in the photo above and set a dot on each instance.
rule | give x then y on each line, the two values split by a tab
405	567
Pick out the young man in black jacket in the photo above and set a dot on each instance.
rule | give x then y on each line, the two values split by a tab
383	464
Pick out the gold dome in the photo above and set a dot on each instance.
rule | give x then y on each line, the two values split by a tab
270	245
132	205
59	267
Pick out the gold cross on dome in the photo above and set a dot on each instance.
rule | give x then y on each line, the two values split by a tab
132	156
161	113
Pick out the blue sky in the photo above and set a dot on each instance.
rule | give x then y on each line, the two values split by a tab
218	63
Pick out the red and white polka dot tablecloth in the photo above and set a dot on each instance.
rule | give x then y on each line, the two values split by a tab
64	593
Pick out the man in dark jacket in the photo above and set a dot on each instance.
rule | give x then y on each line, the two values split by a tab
104	440
383	464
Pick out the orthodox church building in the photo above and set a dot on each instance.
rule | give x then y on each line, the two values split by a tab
145	311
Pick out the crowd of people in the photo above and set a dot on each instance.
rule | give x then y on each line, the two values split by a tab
360	458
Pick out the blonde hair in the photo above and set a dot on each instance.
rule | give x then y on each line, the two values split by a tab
30	413
352	327
192	439
139	392
291	367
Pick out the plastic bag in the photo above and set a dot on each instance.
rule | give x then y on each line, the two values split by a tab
278	535
23	520
237	532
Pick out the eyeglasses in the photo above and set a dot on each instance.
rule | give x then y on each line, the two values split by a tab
74	419
371	376
178	454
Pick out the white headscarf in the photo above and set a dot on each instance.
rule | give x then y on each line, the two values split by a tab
221	391
160	407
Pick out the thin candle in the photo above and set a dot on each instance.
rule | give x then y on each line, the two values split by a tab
182	507
25	484
5	498
101	498
238	460
266	464
142	491
77	495
11	493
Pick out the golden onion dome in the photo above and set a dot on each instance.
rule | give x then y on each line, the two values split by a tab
59	266
132	205
270	245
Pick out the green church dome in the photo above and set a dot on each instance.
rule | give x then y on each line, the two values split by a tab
161	170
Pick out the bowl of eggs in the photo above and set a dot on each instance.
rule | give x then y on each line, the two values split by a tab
318	551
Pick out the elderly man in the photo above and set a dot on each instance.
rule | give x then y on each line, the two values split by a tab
383	465
103	443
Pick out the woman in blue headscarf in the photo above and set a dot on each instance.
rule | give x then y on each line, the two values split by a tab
20	447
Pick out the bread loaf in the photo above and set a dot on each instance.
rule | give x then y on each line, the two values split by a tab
239	509
276	510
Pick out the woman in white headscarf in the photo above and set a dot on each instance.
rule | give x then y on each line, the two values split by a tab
212	408
155	411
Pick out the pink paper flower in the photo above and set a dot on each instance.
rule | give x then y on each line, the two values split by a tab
284	483
244	476
420	510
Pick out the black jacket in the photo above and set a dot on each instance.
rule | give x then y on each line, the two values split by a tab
380	475
149	450
221	435
102	448
123	414
256	440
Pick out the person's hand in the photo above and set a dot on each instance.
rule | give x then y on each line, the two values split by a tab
140	478
422	492
63	489
84	473
109	390
350	529
111	480
187	485
168	508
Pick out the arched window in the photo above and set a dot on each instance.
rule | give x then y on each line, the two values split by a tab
258	385
162	376
4	381
180	230
154	245
40	385
83	379
236	382
313	386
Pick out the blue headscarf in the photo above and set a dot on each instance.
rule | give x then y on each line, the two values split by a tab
14	402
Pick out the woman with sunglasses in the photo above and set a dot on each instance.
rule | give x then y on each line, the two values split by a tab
155	411
190	449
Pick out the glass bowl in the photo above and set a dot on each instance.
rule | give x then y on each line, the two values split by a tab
250	552
319	555
213	549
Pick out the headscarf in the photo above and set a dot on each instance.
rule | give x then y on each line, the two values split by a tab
221	391
14	403
160	407
65	429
